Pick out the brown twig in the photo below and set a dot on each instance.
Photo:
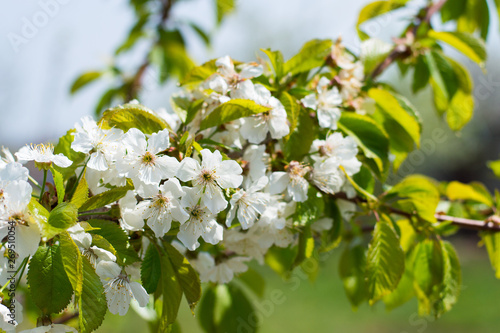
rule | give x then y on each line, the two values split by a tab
401	50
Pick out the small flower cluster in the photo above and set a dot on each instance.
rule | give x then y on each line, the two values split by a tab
235	192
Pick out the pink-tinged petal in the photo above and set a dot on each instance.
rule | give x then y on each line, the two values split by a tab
278	182
159	141
188	169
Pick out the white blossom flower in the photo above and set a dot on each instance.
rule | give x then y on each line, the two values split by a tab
163	206
52	328
325	102
222	272
131	216
274	121
43	155
246	243
351	80
209	177
201	222
11	172
119	289
100	143
292	180
15	216
344	150
142	161
247	205
228	79
274	226
6	157
327	176
256	161
322	224
84	242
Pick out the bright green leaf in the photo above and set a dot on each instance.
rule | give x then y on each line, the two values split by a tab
232	110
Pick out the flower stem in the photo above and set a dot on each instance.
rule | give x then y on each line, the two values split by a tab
43	185
34	182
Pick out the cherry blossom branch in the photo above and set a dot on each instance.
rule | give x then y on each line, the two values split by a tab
401	50
135	85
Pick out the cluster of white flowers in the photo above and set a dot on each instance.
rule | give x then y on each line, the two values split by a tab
230	198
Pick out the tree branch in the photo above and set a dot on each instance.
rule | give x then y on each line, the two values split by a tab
401	50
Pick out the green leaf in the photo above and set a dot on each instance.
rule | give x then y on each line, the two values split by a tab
492	242
331	238
84	80
177	277
186	275
117	237
373	52
254	281
452	277
200	73
106	99
427	269
310	210
92	302
224	7
64	147
206	309
419	195
174	60
106	198
129	116
151	269
59	183
201	33
370	137
472	47
281	259
375	9
276	58
352	272
72	262
474	17
385	261
81	194
50	287
421	75
63	216
299	141
475	192
495	166
41	216
232	110
239	310
390	106
293	109
402	294
460	110
305	246
311	55
442	74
